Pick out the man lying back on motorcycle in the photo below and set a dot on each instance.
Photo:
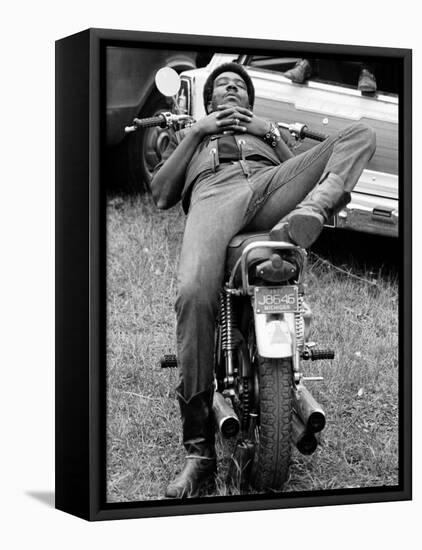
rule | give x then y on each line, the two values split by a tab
234	172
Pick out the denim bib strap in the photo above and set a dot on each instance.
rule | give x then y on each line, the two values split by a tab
245	167
214	158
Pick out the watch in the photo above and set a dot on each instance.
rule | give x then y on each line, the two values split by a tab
273	136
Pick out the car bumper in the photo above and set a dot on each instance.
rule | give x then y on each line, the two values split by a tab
369	214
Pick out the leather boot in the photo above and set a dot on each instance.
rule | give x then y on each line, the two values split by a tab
367	83
198	439
300	72
303	225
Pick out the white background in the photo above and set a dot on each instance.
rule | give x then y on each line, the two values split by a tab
28	32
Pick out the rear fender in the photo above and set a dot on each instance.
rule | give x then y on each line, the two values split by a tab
275	334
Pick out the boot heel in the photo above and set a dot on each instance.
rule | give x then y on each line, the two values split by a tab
304	229
209	485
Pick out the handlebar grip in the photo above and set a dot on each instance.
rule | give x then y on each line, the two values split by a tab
311	134
149	122
146	123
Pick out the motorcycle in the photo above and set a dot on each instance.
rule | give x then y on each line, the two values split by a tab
261	345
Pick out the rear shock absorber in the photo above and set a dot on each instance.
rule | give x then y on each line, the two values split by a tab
246	402
300	323
227	340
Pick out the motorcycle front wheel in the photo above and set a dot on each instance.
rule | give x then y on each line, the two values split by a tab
271	463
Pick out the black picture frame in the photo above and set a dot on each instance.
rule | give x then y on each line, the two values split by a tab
80	281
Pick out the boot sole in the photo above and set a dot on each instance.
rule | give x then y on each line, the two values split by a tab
207	483
304	229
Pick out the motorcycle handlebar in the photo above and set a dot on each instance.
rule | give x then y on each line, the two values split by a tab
163	120
301	131
168	120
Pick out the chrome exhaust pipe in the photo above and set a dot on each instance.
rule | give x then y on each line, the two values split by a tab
225	417
308	409
305	441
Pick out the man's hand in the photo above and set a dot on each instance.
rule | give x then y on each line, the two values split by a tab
235	119
244	121
230	119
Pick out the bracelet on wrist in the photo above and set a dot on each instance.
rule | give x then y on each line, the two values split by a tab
273	136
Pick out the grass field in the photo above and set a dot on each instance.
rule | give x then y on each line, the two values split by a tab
355	312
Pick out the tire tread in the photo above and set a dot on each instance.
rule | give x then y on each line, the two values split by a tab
274	450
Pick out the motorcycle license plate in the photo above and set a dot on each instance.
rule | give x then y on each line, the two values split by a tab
276	299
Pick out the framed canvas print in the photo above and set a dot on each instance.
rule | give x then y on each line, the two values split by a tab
233	274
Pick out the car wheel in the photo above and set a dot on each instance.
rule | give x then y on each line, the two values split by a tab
153	141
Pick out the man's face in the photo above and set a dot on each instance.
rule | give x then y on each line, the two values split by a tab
229	89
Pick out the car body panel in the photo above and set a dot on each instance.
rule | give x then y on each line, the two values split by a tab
130	76
328	109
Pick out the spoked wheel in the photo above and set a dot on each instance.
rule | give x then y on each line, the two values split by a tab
271	463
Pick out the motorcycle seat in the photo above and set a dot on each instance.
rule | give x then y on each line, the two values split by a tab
239	242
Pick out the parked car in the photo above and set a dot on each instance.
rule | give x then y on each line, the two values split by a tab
325	106
131	92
